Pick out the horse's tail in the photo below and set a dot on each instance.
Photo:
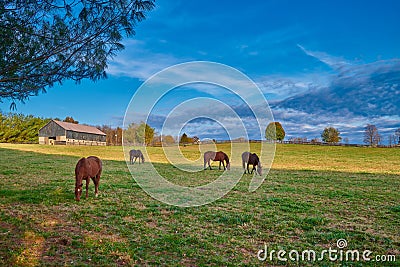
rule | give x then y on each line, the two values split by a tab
207	157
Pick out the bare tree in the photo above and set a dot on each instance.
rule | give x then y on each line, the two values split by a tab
390	140
371	135
397	134
346	140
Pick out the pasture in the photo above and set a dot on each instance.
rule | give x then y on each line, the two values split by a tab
313	196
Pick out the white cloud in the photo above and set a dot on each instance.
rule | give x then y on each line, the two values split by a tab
138	62
333	62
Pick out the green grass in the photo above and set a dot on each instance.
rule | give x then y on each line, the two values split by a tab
312	197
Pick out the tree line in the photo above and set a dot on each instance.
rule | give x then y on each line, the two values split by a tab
24	129
136	134
19	128
371	136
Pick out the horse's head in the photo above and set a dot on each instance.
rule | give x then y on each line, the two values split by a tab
78	191
228	163
259	169
142	158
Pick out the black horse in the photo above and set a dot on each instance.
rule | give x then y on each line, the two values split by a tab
134	154
252	159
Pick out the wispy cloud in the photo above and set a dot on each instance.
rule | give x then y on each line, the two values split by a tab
138	62
277	88
356	94
366	90
336	63
209	118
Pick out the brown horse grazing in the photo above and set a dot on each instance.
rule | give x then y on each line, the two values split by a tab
85	169
252	159
216	156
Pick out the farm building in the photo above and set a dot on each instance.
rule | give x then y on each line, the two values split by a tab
65	133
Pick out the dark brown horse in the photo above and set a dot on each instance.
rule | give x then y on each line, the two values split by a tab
85	169
252	159
216	156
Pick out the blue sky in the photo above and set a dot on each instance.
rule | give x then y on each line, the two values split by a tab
318	63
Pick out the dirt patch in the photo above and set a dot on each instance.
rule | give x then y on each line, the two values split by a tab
33	248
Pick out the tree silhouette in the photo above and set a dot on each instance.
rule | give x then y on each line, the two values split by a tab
184	139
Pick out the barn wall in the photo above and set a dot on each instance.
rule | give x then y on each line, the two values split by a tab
43	140
61	138
85	136
77	142
51	129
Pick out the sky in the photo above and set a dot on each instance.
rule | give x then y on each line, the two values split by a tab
317	63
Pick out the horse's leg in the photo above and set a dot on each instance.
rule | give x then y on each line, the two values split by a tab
87	186
223	164
254	167
219	165
96	181
134	160
248	168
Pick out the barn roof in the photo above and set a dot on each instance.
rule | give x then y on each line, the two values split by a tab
79	127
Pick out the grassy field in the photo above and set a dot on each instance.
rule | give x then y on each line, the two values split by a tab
313	196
